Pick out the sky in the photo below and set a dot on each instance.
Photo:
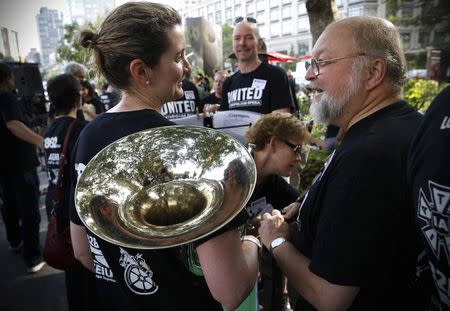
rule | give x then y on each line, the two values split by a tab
20	16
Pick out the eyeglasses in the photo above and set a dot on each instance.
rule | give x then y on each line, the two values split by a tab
249	19
314	63
296	149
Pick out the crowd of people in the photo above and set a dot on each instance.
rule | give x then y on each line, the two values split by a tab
353	241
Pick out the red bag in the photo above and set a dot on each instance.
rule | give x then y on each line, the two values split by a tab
58	252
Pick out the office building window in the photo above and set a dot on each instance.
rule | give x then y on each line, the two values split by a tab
260	5
274	3
286	11
303	23
356	11
219	17
260	17
274	14
238	10
228	14
301	8
287	27
275	29
249	8
263	31
210	8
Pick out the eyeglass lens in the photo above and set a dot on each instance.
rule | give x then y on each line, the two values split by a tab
312	63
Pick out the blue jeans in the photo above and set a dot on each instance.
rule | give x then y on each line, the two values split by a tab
20	211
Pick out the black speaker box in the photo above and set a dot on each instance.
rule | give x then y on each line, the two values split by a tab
28	79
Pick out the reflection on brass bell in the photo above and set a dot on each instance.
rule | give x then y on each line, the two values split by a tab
165	186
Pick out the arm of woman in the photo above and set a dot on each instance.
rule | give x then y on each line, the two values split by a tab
80	244
230	267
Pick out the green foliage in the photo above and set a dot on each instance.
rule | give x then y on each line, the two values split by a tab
432	14
227	41
420	93
304	101
313	166
70	49
289	65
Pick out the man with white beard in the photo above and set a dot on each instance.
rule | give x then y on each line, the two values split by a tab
354	246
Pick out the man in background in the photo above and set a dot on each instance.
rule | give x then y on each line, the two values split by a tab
19	181
257	86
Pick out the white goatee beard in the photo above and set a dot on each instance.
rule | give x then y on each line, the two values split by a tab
329	109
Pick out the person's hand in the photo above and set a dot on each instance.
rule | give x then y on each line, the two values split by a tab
272	226
290	212
211	108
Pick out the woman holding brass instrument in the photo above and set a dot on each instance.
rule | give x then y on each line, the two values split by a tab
140	50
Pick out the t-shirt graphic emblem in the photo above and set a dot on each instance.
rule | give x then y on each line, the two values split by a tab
434	211
102	269
137	274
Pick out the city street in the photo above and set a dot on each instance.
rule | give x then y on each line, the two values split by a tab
44	290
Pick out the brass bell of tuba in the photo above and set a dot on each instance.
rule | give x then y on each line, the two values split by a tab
165	186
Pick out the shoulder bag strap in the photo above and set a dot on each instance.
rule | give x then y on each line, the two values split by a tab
62	161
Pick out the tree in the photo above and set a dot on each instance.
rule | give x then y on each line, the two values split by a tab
70	49
227	41
320	13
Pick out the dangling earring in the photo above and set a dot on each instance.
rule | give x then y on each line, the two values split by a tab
147	82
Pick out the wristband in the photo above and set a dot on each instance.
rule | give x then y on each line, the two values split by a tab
252	239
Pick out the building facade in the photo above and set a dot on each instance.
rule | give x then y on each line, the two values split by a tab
82	11
9	45
51	31
283	24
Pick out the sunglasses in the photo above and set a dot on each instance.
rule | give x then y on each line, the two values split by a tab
296	149
239	19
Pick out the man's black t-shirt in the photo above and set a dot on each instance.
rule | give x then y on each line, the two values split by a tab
263	90
429	177
185	106
211	99
356	224
53	145
17	155
136	279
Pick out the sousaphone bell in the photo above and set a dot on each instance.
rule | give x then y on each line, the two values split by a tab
165	186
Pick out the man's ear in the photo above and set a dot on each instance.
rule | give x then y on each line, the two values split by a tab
260	45
140	72
376	73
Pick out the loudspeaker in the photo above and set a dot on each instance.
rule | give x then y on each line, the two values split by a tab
30	93
28	79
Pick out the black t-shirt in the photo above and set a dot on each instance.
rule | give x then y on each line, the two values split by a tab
17	154
429	177
53	145
263	90
357	223
185	106
274	190
136	279
277	191
211	99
